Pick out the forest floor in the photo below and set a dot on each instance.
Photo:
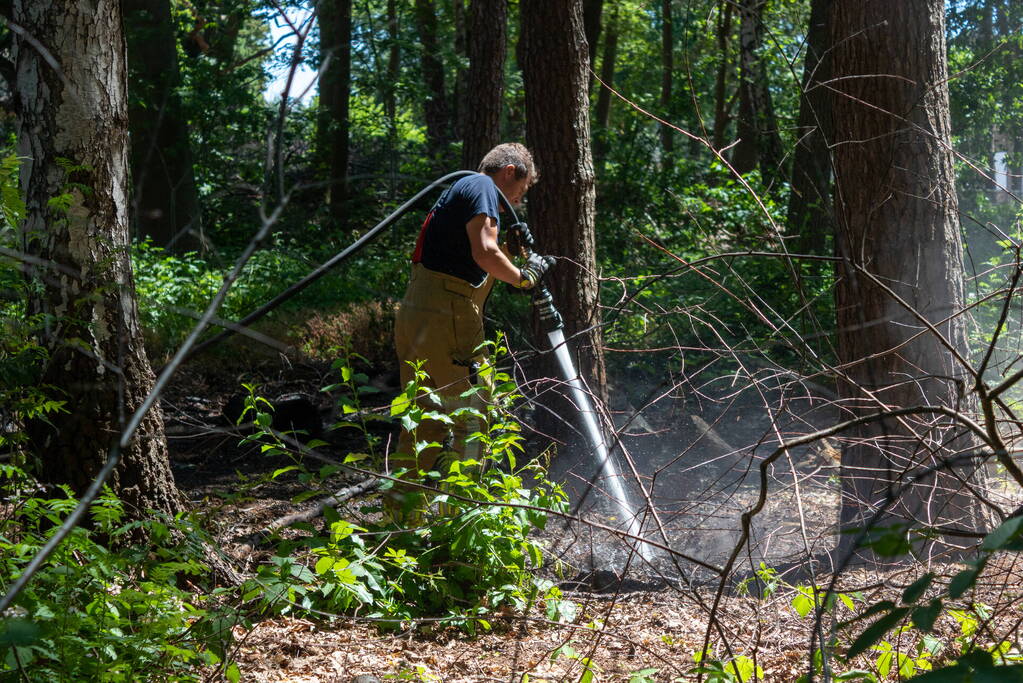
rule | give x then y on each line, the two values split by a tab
648	628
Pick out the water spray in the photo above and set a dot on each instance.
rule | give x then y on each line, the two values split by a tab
554	326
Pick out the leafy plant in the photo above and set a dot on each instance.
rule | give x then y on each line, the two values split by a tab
104	608
471	555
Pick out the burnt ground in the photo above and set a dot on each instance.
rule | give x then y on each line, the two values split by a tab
699	458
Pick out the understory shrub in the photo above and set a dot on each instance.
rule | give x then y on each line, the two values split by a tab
173	290
470	552
105	606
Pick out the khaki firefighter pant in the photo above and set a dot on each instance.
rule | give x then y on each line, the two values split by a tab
440	322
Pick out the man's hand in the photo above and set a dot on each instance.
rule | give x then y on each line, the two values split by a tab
534	270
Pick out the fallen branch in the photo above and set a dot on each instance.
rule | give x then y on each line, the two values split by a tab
258	538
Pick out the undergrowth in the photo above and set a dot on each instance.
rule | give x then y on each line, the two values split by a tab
472	551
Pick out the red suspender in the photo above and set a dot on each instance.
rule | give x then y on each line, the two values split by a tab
417	255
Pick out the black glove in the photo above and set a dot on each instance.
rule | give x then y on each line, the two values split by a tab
534	270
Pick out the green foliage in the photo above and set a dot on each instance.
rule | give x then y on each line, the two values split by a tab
739	669
105	606
173	290
471	555
922	604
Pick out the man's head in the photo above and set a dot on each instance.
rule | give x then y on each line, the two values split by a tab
511	166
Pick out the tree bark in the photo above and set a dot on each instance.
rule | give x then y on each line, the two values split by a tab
436	112
809	216
667	79
607	75
335	19
898	235
759	143
593	11
165	201
721	113
554	65
73	133
461	105
488	30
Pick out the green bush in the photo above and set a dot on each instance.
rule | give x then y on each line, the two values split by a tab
472	553
105	606
173	290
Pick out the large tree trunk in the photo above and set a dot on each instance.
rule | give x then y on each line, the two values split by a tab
73	134
759	143
488	29
335	19
554	65
165	202
809	217
898	235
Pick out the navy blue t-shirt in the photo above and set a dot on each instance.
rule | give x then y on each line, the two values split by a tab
443	243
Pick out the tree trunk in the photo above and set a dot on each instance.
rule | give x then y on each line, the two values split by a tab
721	113
607	75
667	79
73	133
335	18
809	217
898	235
165	202
759	143
488	29
461	107
435	109
593	11
554	67
389	94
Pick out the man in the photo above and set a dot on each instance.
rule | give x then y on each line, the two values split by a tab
440	321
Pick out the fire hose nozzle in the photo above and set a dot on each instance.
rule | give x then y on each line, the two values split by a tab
543	302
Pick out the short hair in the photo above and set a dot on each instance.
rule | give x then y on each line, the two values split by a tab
513	153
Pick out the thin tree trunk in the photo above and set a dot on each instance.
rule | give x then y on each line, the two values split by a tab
462	109
667	78
165	201
436	112
488	29
393	67
335	19
593	11
72	131
898	235
607	75
759	143
809	215
724	32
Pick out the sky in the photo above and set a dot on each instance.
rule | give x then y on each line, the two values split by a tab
304	76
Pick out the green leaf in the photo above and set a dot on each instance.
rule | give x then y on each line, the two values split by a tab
802	603
856	675
963	581
925	615
232	673
890	541
18	632
917	588
874	632
1007	536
